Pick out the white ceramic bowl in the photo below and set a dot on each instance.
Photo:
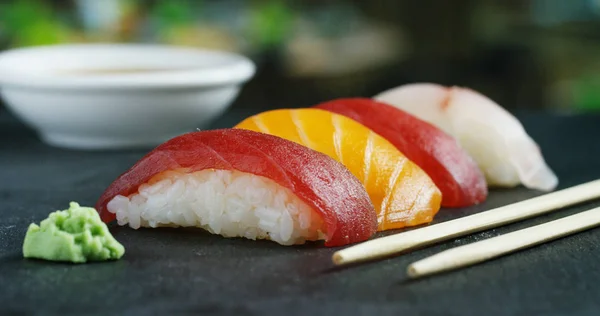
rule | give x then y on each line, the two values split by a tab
98	96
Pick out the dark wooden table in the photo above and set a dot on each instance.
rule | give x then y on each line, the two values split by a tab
174	271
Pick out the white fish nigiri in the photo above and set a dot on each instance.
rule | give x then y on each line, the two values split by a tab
495	139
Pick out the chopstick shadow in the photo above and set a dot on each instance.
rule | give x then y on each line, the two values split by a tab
333	268
407	280
526	251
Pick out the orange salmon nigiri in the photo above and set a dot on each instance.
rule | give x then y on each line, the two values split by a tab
402	193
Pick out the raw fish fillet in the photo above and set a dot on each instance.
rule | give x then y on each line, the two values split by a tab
402	193
437	153
321	182
491	135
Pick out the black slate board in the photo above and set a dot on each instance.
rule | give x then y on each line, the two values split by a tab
186	271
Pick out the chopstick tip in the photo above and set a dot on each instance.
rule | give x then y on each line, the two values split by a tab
338	259
412	272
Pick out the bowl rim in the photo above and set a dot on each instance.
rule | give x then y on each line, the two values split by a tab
237	69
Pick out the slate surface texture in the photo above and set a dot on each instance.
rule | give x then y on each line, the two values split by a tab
187	271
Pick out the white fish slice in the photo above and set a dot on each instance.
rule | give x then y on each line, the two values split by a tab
495	139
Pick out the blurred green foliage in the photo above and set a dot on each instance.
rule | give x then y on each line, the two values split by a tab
270	23
524	53
586	93
30	22
176	12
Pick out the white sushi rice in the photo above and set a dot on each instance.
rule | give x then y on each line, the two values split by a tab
228	203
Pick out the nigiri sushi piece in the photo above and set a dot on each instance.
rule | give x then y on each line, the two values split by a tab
452	170
495	139
402	193
240	183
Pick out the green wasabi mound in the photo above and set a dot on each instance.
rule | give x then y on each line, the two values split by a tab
75	235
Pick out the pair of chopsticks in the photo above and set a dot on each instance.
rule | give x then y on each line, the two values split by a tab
487	249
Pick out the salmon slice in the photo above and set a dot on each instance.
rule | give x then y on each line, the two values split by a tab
402	193
437	153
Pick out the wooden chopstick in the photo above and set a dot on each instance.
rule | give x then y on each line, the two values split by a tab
385	246
494	247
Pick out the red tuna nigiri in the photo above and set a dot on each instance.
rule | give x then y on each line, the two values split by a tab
174	185
452	170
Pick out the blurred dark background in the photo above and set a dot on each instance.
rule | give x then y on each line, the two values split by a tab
525	54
